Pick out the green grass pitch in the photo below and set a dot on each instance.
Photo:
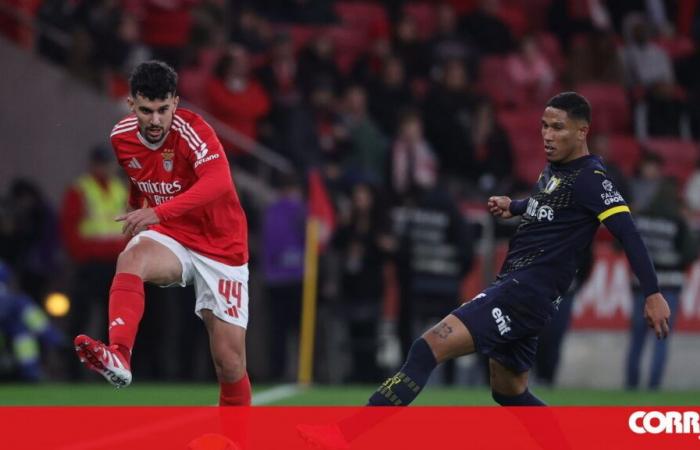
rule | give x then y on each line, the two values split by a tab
164	394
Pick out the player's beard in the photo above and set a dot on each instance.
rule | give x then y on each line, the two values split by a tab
150	138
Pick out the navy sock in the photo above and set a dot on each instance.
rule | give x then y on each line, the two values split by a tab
402	388
524	399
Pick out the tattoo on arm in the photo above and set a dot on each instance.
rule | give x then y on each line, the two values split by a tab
442	330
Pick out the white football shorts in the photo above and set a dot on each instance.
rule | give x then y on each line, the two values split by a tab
219	287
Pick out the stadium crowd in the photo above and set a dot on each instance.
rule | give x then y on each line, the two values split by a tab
411	110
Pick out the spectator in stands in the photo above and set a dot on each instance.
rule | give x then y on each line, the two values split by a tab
317	62
209	28
57	15
447	43
363	243
96	34
116	49
450	111
493	153
234	96
166	28
410	48
672	249
251	30
531	71
487	30
370	64
550	340
600	145
413	162
26	328
569	19
283	266
312	12
435	251
596	60
649	73
366	147
388	94
93	239
657	12
647	181
687	70
29	237
280	78
646	63
692	190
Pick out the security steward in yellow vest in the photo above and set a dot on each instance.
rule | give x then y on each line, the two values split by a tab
93	239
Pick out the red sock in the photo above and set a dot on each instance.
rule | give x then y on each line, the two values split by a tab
125	311
235	394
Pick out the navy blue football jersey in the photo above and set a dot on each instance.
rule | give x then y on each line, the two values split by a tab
563	213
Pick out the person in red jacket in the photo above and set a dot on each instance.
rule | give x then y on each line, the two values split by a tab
92	238
234	97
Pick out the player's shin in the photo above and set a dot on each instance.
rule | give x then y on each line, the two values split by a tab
235	394
126	305
402	388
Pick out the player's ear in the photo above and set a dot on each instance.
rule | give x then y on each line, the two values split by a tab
130	102
583	131
176	100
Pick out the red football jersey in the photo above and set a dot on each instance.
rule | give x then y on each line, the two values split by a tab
187	179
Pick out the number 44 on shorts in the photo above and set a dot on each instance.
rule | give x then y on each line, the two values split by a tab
231	290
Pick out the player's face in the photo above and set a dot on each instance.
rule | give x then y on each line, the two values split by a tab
155	116
564	138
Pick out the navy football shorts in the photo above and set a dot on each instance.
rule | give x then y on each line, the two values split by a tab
505	320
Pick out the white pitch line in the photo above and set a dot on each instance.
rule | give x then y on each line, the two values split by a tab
275	394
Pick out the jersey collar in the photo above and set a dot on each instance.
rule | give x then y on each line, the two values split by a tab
149	145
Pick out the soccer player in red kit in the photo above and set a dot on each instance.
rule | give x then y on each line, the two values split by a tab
186	226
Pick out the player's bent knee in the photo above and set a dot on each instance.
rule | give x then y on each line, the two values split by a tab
131	260
230	366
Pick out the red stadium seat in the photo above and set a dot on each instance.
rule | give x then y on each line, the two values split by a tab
611	109
425	17
523	128
625	152
549	44
680	157
677	47
498	86
349	43
362	16
536	11
516	19
301	34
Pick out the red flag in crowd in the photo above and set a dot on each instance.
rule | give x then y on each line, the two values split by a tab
321	208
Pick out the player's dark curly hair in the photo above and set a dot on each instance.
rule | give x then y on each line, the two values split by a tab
575	105
153	80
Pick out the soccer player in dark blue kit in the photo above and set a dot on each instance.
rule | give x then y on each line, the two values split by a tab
572	197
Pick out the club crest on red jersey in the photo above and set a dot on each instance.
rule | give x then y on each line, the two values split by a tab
168	156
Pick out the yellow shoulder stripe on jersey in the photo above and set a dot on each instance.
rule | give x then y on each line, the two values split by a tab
612	211
599	172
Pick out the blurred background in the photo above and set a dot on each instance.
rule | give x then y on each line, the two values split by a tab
390	123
